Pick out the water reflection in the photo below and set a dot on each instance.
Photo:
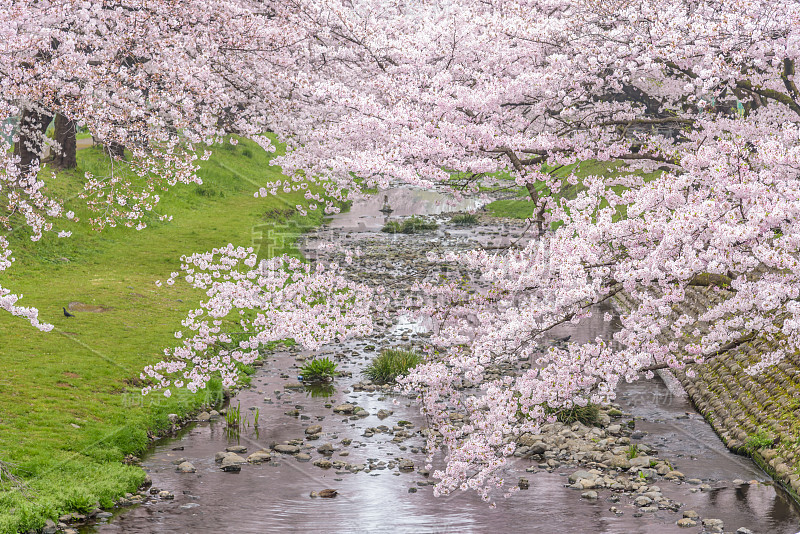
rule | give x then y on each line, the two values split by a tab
320	390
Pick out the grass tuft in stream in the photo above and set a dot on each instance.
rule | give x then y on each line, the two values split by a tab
587	415
233	418
319	370
464	219
390	364
411	225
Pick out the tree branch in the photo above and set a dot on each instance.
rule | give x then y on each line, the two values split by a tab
725	348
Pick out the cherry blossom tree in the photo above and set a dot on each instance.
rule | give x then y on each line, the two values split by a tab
457	94
155	82
704	92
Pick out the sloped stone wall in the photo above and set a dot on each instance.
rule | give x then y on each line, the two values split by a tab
747	412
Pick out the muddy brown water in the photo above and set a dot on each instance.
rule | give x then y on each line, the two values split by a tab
274	497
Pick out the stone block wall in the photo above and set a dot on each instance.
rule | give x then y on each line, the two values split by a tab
758	416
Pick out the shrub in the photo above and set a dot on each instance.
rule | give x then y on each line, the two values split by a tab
412	225
393	227
391	363
464	219
319	370
632	452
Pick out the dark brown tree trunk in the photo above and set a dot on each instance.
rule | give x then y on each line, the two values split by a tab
116	150
30	147
65	135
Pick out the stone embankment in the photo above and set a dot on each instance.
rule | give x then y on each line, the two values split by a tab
759	415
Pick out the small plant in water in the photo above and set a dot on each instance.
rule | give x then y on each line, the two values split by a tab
464	219
233	418
390	364
319	370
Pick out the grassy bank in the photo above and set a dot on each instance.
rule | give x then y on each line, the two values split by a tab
521	206
70	404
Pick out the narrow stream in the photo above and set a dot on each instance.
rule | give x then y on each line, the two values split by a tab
378	497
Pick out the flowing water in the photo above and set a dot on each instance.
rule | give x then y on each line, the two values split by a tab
275	496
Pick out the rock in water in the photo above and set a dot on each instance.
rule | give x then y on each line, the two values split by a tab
232	463
185	467
259	457
313	429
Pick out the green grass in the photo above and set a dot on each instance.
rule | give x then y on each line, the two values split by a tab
411	225
70	401
391	363
511	208
522	207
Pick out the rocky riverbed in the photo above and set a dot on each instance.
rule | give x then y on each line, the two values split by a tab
350	456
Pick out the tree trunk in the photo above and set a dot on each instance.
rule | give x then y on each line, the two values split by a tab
65	136
30	147
538	213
